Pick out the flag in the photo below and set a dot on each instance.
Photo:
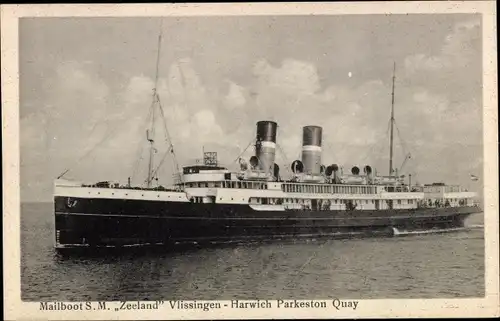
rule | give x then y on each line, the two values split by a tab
474	177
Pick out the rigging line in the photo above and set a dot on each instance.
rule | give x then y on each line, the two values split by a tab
403	143
139	159
151	138
136	166
386	133
78	160
160	164
372	149
167	134
109	133
151	134
158	55
283	153
243	152
183	81
286	160
140	148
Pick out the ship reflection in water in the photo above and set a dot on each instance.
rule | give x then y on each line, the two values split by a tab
397	267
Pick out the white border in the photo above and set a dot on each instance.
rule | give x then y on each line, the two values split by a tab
15	309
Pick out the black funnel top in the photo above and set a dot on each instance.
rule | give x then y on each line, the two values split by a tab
266	131
312	135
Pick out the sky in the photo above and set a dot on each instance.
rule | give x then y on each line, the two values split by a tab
86	90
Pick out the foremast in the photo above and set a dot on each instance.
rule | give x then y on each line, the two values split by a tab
150	133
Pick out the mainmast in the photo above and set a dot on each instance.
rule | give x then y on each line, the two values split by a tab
392	122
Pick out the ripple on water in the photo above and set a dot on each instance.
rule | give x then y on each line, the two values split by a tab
419	266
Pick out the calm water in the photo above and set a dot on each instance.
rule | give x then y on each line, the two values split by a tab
418	266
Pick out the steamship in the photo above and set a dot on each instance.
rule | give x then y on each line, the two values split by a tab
209	203
212	204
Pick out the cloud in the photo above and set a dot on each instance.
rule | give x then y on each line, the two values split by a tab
459	49
235	98
293	76
447	87
455	69
438	112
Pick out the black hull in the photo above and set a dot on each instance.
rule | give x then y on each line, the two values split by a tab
101	223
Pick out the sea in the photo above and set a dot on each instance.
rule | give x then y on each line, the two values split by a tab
445	265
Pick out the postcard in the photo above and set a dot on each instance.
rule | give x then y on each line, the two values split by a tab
248	161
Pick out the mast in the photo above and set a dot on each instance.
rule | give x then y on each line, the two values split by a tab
150	133
392	122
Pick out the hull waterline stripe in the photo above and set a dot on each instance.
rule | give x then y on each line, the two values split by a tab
259	238
261	218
